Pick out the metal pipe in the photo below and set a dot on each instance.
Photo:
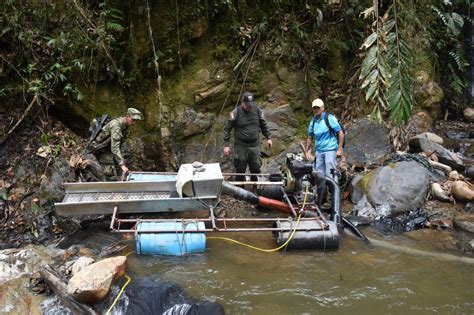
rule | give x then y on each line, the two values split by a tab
288	201
175	173
221	230
223	220
256	183
335	202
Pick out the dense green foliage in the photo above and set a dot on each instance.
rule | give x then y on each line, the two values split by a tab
51	47
57	50
387	70
449	32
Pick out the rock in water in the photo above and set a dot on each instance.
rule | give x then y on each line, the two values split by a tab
462	191
92	283
438	192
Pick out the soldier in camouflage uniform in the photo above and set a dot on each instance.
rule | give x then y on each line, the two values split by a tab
246	120
107	145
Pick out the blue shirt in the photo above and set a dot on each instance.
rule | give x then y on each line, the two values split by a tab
324	139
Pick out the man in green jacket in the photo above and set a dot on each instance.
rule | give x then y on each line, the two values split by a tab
107	145
247	120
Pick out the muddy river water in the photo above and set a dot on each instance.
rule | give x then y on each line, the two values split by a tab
356	279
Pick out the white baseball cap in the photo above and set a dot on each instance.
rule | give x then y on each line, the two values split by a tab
317	103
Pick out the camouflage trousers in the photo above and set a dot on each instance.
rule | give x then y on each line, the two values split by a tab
111	171
244	156
101	167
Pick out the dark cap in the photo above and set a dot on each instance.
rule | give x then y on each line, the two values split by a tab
247	98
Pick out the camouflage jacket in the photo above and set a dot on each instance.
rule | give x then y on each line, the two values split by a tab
113	134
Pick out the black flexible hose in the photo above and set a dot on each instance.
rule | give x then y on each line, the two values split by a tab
355	230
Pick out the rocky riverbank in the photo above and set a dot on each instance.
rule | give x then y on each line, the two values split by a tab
428	186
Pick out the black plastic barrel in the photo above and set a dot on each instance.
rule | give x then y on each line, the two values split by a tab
315	239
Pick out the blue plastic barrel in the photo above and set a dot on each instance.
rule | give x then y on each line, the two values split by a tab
172	243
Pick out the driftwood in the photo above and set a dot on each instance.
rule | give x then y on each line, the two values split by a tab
442	167
438	192
59	288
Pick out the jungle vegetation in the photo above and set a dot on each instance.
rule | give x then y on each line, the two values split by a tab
53	51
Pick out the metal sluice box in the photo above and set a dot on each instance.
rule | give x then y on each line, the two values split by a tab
195	187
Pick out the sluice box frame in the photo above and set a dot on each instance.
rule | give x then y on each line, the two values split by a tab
164	194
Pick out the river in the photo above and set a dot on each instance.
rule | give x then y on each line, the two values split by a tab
356	279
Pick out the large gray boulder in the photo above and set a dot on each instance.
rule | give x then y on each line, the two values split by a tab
367	143
396	187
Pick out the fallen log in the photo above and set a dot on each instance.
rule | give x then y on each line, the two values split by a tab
59	288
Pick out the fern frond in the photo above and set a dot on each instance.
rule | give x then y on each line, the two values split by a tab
440	15
115	27
386	72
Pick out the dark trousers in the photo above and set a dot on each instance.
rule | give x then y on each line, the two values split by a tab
243	156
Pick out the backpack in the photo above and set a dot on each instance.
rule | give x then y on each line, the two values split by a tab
326	120
331	130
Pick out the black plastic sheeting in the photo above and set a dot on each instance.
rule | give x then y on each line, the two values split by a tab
412	220
147	296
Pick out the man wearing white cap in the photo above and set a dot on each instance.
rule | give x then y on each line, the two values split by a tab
328	137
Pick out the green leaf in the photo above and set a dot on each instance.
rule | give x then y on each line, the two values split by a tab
370	92
369	41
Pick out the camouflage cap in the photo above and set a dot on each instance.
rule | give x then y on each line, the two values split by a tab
134	113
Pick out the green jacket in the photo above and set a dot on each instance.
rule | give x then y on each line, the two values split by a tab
113	134
247	127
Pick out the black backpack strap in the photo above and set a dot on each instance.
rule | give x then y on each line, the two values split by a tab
326	120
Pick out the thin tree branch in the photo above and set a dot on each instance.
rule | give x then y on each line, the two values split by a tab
4	138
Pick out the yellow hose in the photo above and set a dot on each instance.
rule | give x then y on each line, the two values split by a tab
120	294
257	248
263	249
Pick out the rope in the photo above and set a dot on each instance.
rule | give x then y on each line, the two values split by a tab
119	294
177	30
410	157
244	59
157	68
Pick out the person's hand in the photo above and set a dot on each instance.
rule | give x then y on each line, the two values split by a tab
226	151
339	153
270	143
124	169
